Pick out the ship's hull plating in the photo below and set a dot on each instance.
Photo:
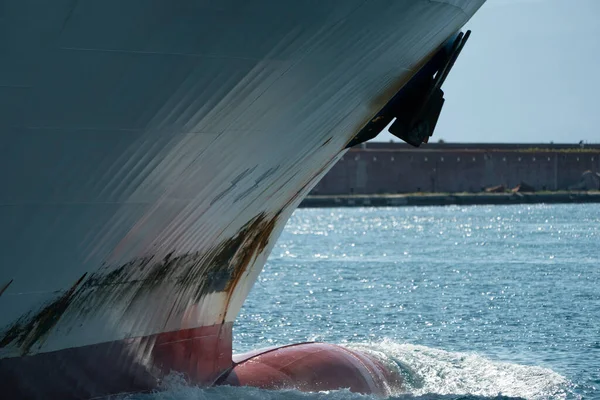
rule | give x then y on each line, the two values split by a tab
150	155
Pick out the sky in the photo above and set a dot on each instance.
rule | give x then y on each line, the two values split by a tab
529	73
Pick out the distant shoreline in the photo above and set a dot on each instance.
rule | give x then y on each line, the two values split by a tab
443	199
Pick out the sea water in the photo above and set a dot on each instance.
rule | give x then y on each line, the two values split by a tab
472	302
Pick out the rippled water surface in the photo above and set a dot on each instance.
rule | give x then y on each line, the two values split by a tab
488	301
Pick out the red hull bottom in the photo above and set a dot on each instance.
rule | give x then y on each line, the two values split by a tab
203	355
314	367
130	365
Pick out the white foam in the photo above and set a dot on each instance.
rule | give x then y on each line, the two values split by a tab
434	371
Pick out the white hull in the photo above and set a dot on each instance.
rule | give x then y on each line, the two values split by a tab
136	132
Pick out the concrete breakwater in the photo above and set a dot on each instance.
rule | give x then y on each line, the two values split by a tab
423	199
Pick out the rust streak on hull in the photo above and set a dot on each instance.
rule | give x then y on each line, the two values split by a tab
191	277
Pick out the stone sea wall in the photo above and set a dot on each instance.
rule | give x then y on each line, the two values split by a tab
393	168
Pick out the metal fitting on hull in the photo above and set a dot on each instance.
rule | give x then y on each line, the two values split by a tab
417	106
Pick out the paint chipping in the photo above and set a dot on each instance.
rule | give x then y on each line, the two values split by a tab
233	184
180	279
226	262
3	288
257	182
27	333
